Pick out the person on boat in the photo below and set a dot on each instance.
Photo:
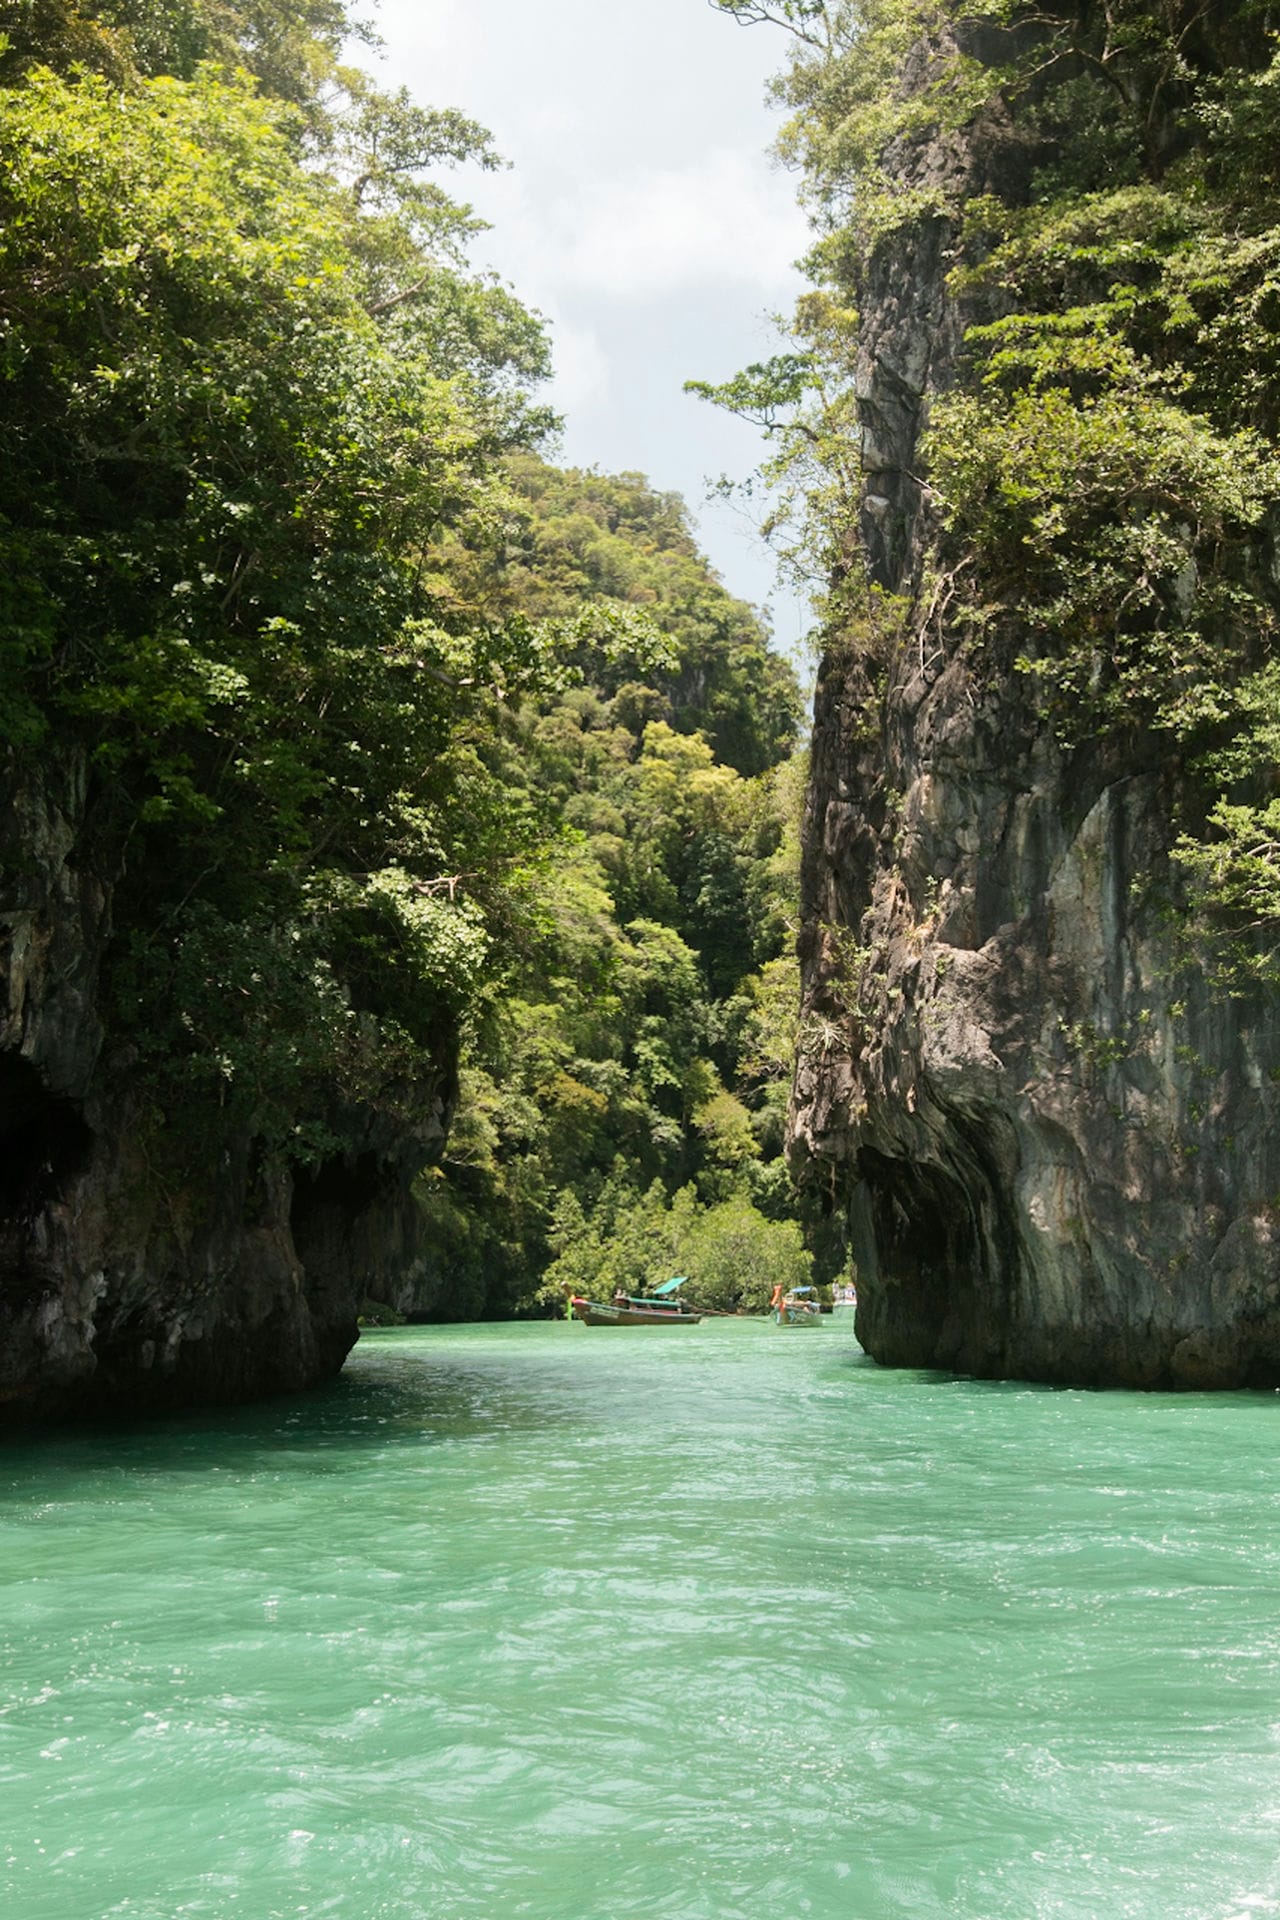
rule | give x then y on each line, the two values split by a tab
779	1293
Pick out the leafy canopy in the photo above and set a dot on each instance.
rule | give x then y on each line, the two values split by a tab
1097	487
234	467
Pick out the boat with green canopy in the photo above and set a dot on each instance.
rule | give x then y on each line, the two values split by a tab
660	1307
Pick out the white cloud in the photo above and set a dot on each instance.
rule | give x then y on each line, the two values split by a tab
418	39
641	217
581	368
726	220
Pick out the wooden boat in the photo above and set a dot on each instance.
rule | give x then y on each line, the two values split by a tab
661	1308
799	1308
844	1295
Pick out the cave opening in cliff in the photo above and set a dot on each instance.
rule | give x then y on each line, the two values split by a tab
44	1140
920	1226
346	1186
940	1238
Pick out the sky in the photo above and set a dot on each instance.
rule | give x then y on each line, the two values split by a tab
641	215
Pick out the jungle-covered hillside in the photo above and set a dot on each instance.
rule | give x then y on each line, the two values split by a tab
396	822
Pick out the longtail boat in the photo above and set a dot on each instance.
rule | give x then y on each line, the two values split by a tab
798	1308
661	1308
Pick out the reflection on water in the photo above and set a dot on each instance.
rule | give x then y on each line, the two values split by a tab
582	1625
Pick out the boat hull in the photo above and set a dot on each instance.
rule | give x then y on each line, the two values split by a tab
602	1313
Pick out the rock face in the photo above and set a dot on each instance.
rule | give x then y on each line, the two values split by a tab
121	1286
1057	1143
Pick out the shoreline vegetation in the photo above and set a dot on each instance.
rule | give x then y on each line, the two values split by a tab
418	821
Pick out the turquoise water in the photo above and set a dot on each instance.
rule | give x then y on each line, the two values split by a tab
712	1623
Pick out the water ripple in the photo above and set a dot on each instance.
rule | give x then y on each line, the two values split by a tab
536	1623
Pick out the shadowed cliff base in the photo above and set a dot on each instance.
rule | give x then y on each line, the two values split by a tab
122	1294
933	1294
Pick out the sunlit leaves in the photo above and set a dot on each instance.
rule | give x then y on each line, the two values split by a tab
229	489
1097	481
612	564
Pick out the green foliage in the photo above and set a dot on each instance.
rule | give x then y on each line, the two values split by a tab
1123	616
1233	875
735	1256
412	758
636	1047
621	1056
606	552
731	1254
1109	484
290	47
804	404
229	484
807	19
1099	482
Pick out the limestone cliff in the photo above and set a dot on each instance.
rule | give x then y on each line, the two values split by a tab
128	1280
1055	1136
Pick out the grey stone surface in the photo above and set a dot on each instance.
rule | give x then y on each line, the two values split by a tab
122	1285
1057	1142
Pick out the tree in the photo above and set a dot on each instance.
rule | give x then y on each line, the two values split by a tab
416	764
1094	489
624	995
224	508
291	47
